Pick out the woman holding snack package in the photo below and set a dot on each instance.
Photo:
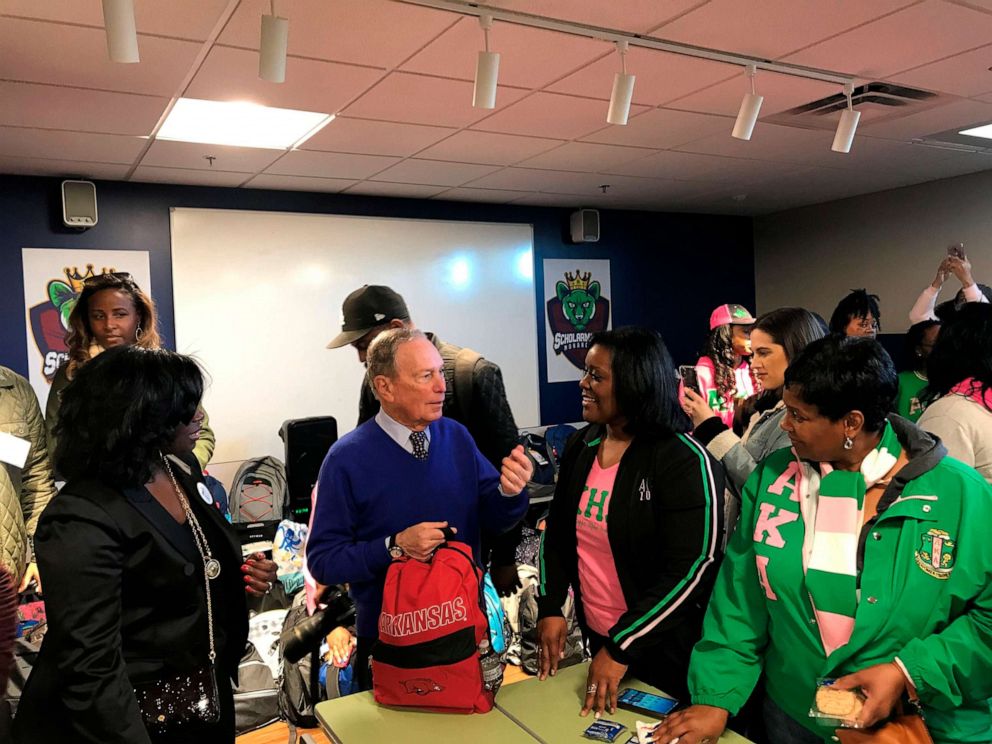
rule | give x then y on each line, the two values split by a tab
862	555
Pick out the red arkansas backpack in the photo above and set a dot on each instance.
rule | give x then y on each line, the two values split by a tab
432	624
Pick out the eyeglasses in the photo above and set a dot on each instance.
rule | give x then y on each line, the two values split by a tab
109	278
866	324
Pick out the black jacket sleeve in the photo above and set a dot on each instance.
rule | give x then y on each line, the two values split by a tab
690	523
81	554
492	425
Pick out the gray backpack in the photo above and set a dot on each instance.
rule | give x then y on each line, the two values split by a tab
259	492
256	698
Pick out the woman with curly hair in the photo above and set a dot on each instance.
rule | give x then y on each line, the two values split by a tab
959	393
112	310
722	370
145	583
857	314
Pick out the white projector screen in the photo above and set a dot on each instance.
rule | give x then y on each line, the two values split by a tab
258	296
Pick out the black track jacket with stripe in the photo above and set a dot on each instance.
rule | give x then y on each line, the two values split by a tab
666	531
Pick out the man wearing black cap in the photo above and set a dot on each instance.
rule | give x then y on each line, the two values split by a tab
475	397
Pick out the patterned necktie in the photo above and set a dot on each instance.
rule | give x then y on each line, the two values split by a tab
419	441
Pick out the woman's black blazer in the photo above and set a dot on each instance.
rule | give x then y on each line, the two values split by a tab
124	605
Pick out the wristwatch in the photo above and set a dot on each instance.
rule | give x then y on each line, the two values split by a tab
395	550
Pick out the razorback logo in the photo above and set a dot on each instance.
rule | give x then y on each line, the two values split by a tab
421	686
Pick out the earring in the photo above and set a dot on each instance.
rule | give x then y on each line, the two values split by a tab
137	334
848	443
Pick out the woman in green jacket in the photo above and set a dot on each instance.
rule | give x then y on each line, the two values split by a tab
862	554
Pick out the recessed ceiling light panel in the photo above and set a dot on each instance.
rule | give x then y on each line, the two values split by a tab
240	124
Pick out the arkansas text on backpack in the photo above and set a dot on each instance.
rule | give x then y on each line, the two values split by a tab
432	625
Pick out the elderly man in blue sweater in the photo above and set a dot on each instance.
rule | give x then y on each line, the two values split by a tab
390	487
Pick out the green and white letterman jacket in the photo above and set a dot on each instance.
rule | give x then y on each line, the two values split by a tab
666	531
925	584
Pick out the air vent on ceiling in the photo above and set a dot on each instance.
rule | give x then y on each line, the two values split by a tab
875	101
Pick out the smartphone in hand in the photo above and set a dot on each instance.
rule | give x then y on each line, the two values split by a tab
956	250
690	378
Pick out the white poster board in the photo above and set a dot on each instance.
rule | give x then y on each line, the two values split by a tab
53	279
258	296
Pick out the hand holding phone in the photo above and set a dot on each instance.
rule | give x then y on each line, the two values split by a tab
690	378
956	250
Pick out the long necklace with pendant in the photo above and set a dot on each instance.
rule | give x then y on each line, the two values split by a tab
211	566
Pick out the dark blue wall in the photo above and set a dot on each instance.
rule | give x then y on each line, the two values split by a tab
668	271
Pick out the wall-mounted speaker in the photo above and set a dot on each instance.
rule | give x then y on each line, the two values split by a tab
585	226
79	204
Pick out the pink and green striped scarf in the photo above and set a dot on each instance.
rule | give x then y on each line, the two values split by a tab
831	573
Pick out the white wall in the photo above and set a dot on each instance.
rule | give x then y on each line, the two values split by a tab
890	242
258	296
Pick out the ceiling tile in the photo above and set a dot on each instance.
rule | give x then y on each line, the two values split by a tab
781	92
44	143
662	129
550	115
434	172
956	114
299	183
660	77
772	28
485	147
693	167
367	32
330	165
922	33
51	107
769	142
62	168
637	16
399	190
419	99
492	196
963	74
584	156
529	57
194	156
232	75
532	179
164	62
183	19
375	137
569	201
154	174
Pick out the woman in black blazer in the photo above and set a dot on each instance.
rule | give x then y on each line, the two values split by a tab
124	550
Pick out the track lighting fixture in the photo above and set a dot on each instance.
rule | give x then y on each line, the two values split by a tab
623	90
122	37
747	117
486	71
272	47
847	125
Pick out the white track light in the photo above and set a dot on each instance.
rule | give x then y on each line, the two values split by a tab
486	71
122	37
747	117
847	125
272	48
623	90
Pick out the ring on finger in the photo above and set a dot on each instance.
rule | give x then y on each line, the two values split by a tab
591	689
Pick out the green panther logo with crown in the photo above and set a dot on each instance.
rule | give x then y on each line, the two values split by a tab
578	298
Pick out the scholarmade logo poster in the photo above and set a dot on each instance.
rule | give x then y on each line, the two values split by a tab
53	279
577	305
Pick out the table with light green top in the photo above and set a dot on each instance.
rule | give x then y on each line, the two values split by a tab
525	713
550	710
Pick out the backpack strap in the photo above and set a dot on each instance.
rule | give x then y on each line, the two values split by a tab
465	362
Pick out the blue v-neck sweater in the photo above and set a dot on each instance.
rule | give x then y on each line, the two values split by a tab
371	488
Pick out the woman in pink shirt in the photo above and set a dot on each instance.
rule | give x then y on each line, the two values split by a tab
723	372
636	526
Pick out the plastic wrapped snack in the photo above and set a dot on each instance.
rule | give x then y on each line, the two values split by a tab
835	708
